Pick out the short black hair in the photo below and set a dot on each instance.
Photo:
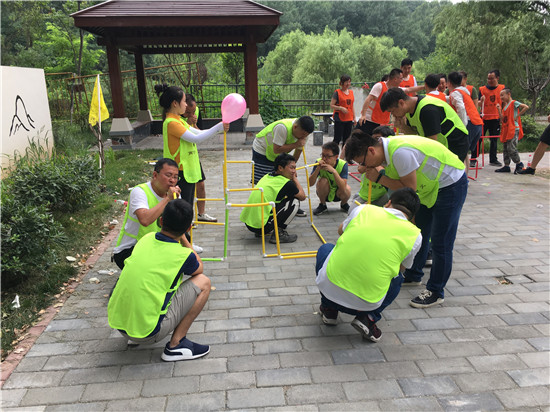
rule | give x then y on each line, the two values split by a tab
344	78
455	78
406	62
432	80
391	98
496	72
332	146
177	217
405	200
442	75
385	131
306	124
164	161
507	90
358	143
282	160
385	78
395	73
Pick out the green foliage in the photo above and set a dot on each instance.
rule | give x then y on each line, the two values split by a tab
272	107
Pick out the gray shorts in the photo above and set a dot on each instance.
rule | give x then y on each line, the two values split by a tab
181	303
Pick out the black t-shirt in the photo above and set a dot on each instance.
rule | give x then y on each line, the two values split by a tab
289	190
432	118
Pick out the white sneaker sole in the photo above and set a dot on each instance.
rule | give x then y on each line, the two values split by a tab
439	301
186	354
363	330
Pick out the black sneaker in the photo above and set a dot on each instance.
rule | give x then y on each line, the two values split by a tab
300	213
284	237
259	234
322	208
473	163
504	169
425	300
429	258
519	168
367	328
344	207
495	163
185	350
528	171
330	316
410	282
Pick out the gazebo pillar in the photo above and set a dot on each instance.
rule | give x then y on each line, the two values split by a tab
144	116
254	121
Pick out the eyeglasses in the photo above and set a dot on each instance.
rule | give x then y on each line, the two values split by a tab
325	156
363	163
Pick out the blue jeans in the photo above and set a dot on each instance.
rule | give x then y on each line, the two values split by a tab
474	134
375	315
440	223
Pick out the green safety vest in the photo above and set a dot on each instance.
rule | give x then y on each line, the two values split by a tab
152	201
426	187
331	180
271	185
189	156
369	253
450	116
377	189
269	153
146	285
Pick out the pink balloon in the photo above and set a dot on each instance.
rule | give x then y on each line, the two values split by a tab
233	107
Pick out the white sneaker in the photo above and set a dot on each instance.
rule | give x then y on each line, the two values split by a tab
205	217
197	248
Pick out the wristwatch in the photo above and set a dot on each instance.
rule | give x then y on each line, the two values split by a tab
381	173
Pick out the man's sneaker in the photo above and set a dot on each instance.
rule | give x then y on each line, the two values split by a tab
259	234
495	163
410	282
301	213
205	217
322	208
473	163
330	316
504	169
429	258
519	168
197	248
284	237
425	300
344	207
528	171
367	328
185	350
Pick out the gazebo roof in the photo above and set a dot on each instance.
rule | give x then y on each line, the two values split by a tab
179	26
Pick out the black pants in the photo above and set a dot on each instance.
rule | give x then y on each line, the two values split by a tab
121	256
493	127
187	189
342	130
286	210
367	127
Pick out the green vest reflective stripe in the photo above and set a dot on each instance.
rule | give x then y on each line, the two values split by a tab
450	116
377	190
189	156
369	253
332	181
269	153
271	185
152	201
146	284
427	187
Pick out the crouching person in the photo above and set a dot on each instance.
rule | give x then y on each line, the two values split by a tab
282	187
361	275
162	289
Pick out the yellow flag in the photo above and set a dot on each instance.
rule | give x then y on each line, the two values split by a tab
98	109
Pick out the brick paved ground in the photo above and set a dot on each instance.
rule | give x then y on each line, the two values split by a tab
485	348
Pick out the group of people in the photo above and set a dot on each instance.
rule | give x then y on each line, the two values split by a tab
416	184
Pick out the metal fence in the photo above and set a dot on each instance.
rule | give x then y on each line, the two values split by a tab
299	99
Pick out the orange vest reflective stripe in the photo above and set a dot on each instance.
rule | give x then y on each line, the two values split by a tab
345	100
378	116
508	126
439	95
492	97
408	83
471	110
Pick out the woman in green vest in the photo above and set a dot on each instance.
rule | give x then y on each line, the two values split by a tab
439	178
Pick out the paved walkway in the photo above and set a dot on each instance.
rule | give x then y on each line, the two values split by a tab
485	348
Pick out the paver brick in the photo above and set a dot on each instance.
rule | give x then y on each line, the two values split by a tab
112	391
308	359
531	377
536	359
50	349
255	398
437	385
471	402
391	370
228	380
411	404
372	389
535	396
11	397
313	393
490	363
484	382
48	396
422	337
469	335
139	404
283	377
445	366
277	346
252	363
214	401
457	349
250	335
523	318
408	352
81	407
91	375
338	373
435	323
506	346
33	380
170	386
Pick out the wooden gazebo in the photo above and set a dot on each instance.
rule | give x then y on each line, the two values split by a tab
188	26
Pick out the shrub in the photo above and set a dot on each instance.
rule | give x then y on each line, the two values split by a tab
272	108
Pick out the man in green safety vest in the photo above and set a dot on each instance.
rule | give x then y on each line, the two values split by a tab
438	177
361	274
430	117
282	187
330	178
146	204
162	288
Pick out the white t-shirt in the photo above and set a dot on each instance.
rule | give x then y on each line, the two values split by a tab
277	136
138	200
348	299
408	159
458	103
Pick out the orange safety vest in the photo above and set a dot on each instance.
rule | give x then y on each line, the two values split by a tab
492	97
408	83
345	100
508	126
470	89
439	95
471	109
378	116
